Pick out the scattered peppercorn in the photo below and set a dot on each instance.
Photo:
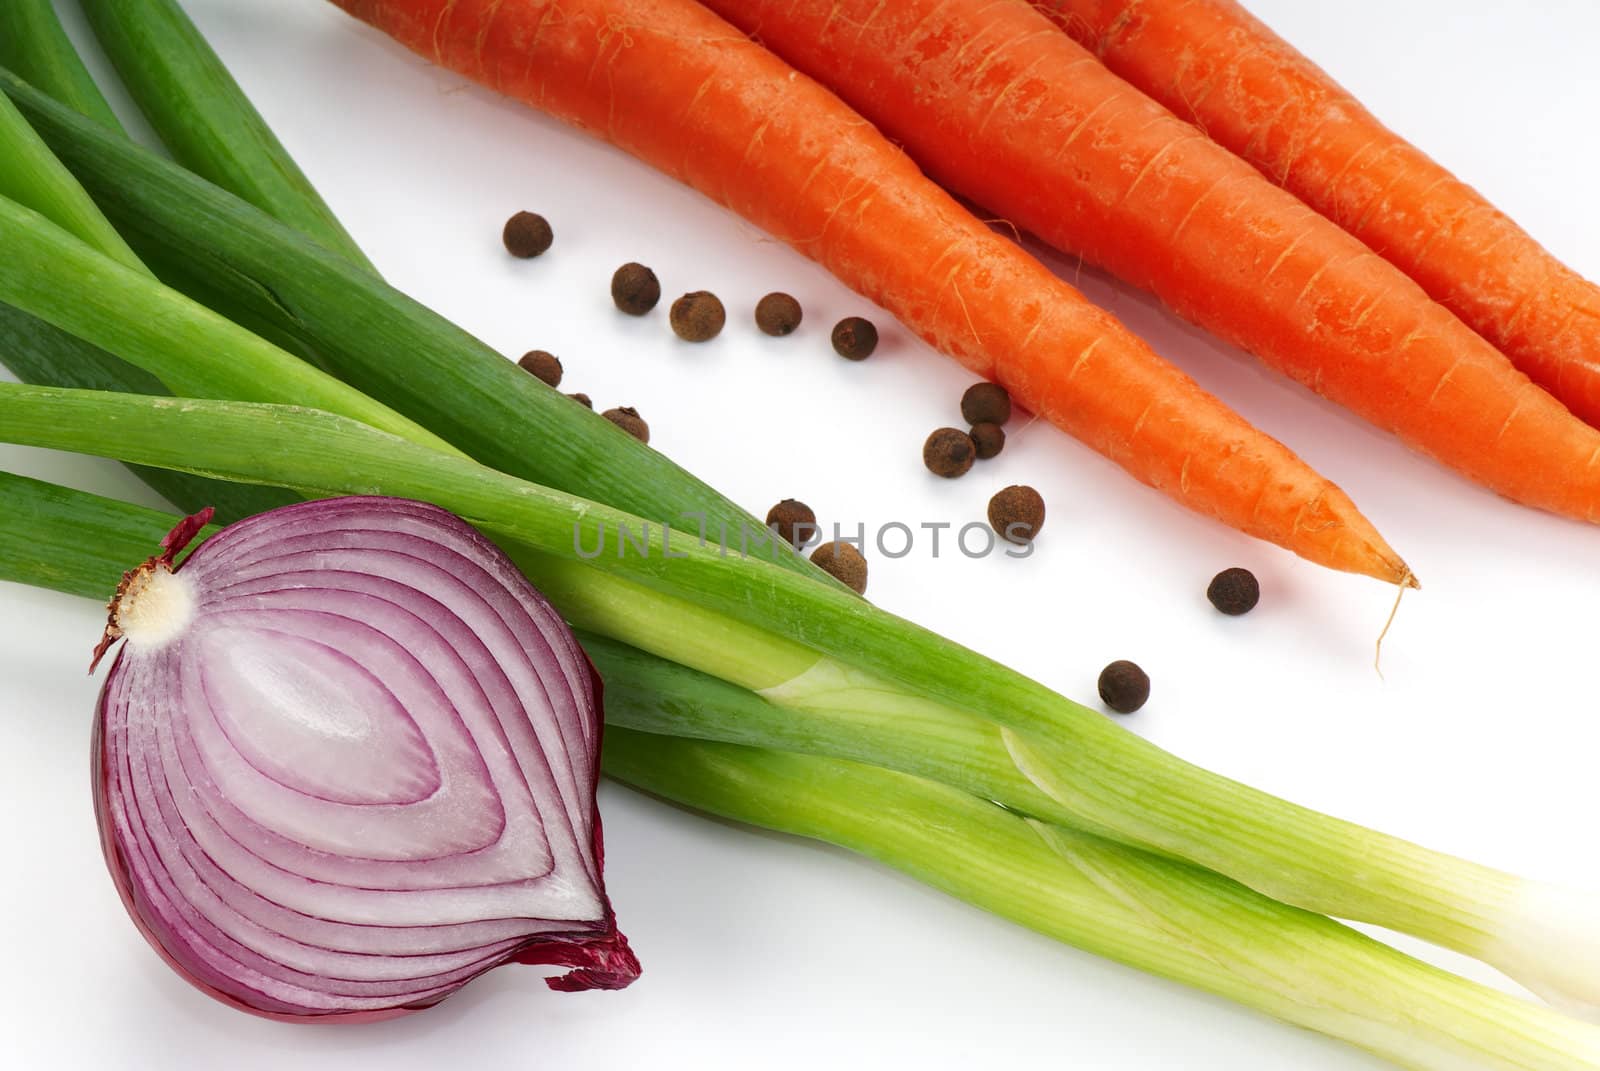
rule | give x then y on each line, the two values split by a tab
698	316
545	367
778	314
1017	513
527	234
844	562
989	438
635	289
986	403
793	521
854	338
949	452
582	399
1234	591
1124	687
628	419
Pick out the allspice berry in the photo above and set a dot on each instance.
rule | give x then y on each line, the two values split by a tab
793	521
698	316
527	234
778	314
628	419
986	403
989	438
854	338
949	452
635	289
1017	513
1124	687
543	366
1234	591
844	562
582	399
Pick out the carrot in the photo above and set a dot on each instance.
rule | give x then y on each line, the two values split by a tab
1216	65
1004	108
678	87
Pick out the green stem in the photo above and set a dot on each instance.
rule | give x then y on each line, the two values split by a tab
205	119
1108	778
1160	916
43	355
37	49
195	352
31	175
372	336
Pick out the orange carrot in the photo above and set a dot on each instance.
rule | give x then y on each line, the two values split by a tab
1000	105
678	87
1213	63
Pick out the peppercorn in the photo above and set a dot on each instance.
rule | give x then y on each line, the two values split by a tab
778	314
1124	687
635	289
545	367
1017	513
949	452
854	338
1234	591
582	399
627	418
793	521
986	403
527	234
698	316
989	438
844	562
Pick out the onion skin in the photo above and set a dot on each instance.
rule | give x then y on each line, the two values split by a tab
174	918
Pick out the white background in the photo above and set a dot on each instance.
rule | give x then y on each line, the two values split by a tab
759	950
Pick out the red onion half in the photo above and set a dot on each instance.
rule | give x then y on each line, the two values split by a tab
345	762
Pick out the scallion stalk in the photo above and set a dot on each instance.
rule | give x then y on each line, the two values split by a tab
1158	915
35	47
205	119
54	276
372	336
1161	916
866	659
31	175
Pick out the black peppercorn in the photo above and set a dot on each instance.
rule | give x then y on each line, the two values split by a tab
986	403
1017	513
989	438
545	367
635	289
949	452
854	338
628	420
1234	591
778	314
844	562
793	521
698	316
527	234
582	399
1124	687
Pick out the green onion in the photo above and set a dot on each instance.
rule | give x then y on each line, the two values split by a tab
205	119
1161	916
860	659
1165	917
36	48
31	175
195	352
372	336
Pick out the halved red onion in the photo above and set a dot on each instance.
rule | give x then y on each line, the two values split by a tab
345	761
